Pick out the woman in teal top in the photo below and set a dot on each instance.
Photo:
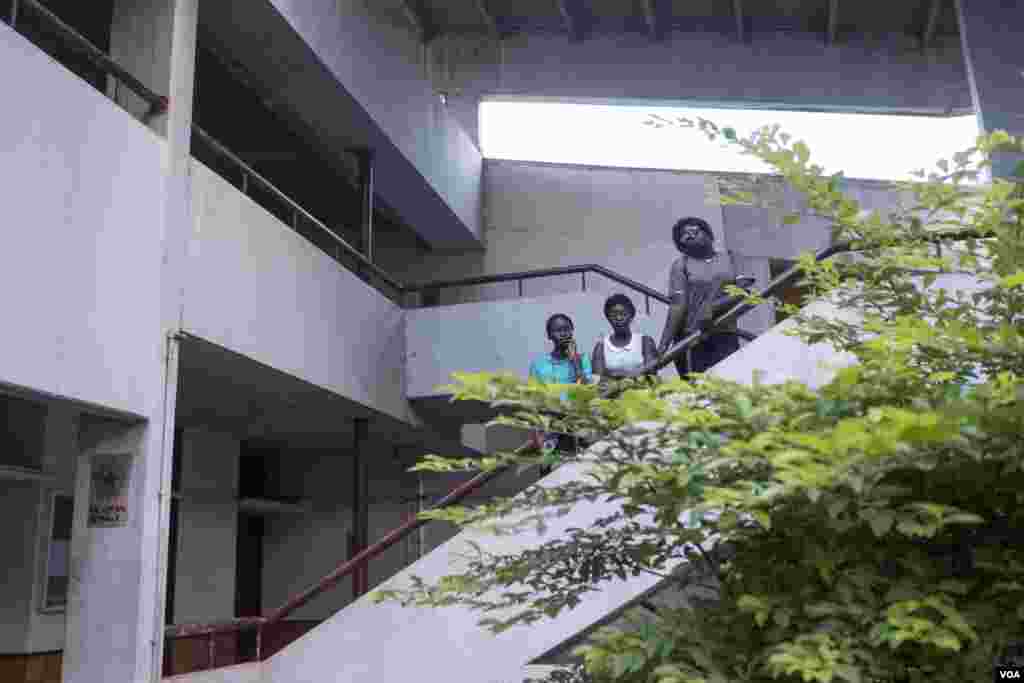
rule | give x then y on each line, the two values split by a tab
564	365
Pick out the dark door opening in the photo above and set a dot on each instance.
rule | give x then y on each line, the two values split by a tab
249	578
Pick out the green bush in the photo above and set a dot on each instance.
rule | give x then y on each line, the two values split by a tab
867	530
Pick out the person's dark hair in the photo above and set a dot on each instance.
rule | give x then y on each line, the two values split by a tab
619	300
556	316
677	229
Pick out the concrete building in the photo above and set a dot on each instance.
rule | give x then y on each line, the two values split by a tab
213	368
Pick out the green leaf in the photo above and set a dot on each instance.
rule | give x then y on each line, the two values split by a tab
881	522
1014	280
744	407
803	153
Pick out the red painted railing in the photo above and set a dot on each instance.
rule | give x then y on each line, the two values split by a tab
199	647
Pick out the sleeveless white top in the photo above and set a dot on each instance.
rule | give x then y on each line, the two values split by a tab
629	357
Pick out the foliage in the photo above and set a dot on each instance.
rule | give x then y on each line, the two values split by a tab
865	530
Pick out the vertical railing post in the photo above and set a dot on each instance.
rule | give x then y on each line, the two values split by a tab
583	275
14	13
519	283
360	502
245	182
213	641
259	642
366	190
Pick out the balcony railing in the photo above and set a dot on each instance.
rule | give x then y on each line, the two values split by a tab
75	41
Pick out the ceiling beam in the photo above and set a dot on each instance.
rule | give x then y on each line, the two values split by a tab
655	26
488	17
833	22
737	9
420	18
934	7
571	20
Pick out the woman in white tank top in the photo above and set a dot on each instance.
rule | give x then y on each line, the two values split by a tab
621	353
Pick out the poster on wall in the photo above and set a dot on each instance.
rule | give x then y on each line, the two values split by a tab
108	497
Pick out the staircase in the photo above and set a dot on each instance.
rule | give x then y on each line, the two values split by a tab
367	642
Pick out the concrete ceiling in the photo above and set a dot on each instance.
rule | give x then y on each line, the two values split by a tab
661	19
224	391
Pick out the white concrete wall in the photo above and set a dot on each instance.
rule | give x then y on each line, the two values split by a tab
80	245
542	215
779	357
258	288
503	335
547	215
758	234
207	527
242	673
375	55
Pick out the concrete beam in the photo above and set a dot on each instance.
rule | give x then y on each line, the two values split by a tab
656	28
833	22
990	37
737	10
928	32
569	9
419	16
488	17
859	75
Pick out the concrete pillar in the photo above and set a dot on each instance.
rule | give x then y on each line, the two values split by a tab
115	615
990	33
106	602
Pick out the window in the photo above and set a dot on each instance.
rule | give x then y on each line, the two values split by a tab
58	552
879	146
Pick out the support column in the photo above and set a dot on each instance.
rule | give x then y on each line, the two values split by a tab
115	618
360	503
365	157
990	35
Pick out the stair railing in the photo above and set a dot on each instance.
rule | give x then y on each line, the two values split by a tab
211	631
726	314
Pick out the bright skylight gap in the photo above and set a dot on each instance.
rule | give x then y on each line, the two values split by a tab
862	145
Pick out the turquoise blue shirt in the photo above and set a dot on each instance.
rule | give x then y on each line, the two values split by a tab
552	371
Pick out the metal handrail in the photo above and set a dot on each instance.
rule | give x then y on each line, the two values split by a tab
157	103
581	270
297	210
735	307
341	572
